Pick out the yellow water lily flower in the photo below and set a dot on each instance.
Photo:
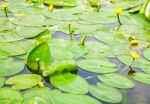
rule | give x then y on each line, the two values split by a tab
134	43
51	8
118	10
134	55
4	5
41	84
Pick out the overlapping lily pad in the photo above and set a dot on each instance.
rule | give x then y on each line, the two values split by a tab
2	81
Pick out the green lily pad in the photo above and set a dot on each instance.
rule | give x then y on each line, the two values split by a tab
146	53
30	20
116	80
61	2
24	81
2	81
10	67
39	57
97	65
12	49
60	66
29	31
9	96
40	93
142	77
67	98
70	83
106	93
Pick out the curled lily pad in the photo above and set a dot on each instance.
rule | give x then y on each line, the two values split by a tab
39	57
106	93
2	81
10	67
116	80
10	96
70	83
146	53
3	55
97	65
24	81
142	77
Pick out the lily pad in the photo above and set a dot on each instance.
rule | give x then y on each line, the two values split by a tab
2	81
106	93
10	67
12	49
67	98
70	83
9	96
24	81
116	80
29	31
142	77
97	65
146	53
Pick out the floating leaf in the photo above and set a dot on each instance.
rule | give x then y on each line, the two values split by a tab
10	67
70	83
142	77
12	49
41	93
24	81
116	80
9	96
29	31
97	65
146	53
67	98
2	81
106	93
60	66
39	57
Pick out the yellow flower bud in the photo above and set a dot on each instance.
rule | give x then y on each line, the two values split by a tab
118	10
41	84
69	23
134	43
51	8
4	5
134	55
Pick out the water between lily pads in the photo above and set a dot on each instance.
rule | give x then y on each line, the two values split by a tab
140	94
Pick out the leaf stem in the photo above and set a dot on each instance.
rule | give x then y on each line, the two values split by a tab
5	9
118	17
